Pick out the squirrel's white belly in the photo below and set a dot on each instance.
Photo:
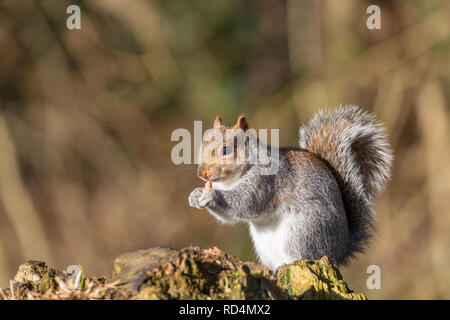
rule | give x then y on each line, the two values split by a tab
269	240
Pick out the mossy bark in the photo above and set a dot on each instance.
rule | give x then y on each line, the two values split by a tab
190	273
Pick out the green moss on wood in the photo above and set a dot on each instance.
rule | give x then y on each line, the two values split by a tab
190	273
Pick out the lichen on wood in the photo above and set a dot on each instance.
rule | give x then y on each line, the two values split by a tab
315	279
190	273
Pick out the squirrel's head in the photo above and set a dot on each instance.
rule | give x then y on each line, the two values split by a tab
223	153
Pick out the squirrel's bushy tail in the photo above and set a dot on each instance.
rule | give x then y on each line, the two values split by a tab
356	148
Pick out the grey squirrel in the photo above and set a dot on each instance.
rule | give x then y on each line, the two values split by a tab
318	203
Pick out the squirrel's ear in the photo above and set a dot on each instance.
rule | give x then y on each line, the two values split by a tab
218	122
241	123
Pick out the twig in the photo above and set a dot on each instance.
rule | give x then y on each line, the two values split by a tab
62	285
13	297
3	294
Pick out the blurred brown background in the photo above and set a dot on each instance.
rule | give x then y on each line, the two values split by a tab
86	117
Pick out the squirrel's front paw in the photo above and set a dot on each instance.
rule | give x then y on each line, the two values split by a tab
208	198
194	196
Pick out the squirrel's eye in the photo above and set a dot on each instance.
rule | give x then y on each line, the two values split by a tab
226	150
